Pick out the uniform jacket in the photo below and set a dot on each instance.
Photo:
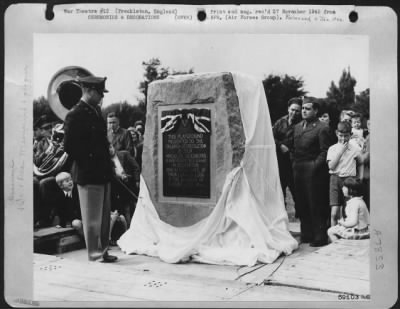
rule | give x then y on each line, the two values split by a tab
283	132
86	142
121	140
311	143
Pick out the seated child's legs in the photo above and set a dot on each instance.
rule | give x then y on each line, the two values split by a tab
56	221
335	214
119	227
121	218
331	234
127	214
113	219
77	225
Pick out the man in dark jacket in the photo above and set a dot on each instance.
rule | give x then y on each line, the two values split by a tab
86	143
310	144
283	132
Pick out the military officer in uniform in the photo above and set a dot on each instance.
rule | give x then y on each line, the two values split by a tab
86	143
311	178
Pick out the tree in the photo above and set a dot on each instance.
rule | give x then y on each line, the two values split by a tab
343	95
154	71
279	90
41	107
362	103
127	113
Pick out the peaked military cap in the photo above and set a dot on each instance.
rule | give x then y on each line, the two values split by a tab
98	83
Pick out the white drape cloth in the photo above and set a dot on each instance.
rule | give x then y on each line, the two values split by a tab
249	223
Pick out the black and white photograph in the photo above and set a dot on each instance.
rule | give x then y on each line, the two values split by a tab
226	166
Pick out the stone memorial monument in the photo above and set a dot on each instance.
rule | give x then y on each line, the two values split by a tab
210	189
194	137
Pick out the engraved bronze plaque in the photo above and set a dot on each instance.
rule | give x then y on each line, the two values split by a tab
186	152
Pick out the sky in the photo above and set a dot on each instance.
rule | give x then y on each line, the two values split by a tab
317	59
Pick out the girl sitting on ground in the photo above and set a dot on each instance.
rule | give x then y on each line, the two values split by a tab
356	224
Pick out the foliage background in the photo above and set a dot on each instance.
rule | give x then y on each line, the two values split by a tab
278	89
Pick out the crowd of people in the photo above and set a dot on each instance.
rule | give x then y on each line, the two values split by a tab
56	201
325	165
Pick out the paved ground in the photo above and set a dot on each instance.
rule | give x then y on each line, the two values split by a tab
309	274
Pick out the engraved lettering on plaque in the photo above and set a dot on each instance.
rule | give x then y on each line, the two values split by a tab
186	152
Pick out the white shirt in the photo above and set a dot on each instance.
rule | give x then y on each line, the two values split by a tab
357	207
347	165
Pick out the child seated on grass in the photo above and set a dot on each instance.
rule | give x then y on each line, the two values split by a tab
356	224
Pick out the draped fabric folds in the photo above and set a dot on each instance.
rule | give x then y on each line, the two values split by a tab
249	223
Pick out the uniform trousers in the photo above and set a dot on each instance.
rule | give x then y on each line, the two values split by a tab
95	201
312	199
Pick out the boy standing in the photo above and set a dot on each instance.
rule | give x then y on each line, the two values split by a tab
343	160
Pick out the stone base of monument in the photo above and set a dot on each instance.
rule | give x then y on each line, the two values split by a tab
194	137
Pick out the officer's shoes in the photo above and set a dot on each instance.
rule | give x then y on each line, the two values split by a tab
108	258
